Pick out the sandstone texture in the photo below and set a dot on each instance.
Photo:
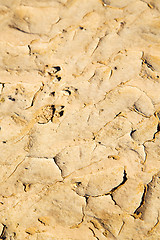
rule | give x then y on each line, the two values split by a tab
80	119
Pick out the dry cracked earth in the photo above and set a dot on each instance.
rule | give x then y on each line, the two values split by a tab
79	119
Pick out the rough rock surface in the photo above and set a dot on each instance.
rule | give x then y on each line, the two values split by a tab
79	119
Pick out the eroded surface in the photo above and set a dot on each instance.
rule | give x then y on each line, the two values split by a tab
79	119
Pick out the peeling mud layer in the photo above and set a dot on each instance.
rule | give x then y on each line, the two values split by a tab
79	119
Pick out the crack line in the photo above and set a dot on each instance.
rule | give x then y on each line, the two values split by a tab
94	235
35	96
16	168
121	228
137	213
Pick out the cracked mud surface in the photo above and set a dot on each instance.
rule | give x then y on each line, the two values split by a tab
79	119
